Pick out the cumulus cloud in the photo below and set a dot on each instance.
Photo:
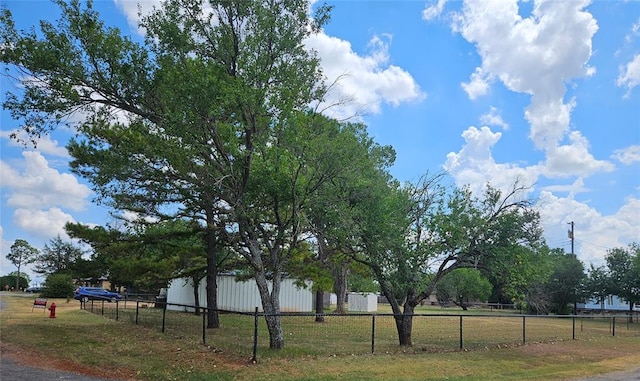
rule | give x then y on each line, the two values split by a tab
630	74
594	233
44	143
475	166
574	159
39	186
361	84
536	55
478	85
627	155
43	223
493	118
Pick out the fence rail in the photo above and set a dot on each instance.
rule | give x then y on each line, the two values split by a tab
360	333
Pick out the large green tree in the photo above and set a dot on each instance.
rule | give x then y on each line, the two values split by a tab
440	231
565	285
624	270
205	120
58	257
598	284
462	287
21	254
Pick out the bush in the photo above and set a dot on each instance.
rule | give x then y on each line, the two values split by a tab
58	286
10	280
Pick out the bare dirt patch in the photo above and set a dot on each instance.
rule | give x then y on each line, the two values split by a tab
38	360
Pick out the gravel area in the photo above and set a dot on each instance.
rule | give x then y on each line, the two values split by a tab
13	371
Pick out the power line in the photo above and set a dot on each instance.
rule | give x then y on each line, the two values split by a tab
594	244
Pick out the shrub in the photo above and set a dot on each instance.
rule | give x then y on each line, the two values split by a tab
58	286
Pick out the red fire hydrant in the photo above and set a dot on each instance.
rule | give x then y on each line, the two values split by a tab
52	308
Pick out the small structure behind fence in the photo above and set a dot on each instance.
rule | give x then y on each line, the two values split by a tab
245	333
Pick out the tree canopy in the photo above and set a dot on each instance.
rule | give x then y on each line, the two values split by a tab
20	254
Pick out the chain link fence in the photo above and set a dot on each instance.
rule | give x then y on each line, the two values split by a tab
246	334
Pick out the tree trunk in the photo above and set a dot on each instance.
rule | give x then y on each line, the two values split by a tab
340	272
18	278
271	308
196	293
630	312
319	306
213	321
404	325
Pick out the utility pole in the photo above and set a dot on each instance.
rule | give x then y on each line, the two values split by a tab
572	236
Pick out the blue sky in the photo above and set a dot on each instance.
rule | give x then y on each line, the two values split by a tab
544	91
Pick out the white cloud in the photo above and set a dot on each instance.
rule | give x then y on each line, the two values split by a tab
361	83
44	144
43	223
536	55
478	86
474	164
533	55
634	32
433	10
493	118
131	10
574	159
40	186
627	155
571	189
594	233
630	74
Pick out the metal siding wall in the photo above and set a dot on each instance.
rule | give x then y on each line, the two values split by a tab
242	296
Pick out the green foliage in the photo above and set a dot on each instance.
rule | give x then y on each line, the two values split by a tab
58	286
20	254
58	257
624	273
462	286
565	283
145	257
598	284
10	281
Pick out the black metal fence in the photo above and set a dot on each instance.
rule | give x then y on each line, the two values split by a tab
246	334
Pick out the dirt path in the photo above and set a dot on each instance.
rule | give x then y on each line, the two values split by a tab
617	376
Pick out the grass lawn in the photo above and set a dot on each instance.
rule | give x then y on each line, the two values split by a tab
337	349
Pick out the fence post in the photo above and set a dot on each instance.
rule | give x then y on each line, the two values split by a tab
164	315
613	327
117	314
461	346
524	330
102	312
573	327
137	310
373	332
204	325
254	359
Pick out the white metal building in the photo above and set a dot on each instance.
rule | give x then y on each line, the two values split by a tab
240	296
610	303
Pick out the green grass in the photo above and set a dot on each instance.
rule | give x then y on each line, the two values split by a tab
336	349
352	333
